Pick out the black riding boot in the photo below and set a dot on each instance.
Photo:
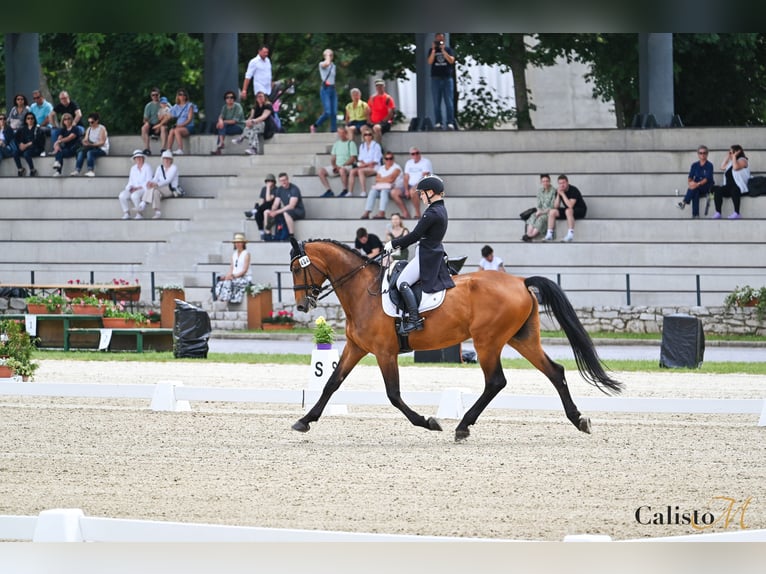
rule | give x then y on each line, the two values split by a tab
413	322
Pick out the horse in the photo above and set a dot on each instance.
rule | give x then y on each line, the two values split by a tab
490	307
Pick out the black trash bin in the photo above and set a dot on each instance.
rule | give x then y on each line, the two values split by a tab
683	342
191	331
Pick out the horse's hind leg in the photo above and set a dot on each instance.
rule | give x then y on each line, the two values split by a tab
494	381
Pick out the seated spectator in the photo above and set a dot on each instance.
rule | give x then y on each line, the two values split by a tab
367	243
342	158
489	261
7	138
569	204
95	143
288	202
380	116
66	106
231	120
385	179
231	287
30	142
163	185
396	229
368	162
700	181
67	142
260	122
266	198
415	169
183	113
43	111
356	113
140	175
736	173
18	111
537	223
150	128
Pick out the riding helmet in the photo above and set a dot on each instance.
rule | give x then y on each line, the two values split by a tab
431	182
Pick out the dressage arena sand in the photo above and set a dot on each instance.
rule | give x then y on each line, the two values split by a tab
521	475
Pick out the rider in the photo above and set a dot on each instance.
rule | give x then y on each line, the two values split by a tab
428	264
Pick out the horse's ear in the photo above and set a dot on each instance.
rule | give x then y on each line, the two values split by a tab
296	250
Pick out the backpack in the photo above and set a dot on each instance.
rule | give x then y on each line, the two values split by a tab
279	231
756	186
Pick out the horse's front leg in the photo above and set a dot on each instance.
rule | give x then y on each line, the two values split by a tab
349	358
389	367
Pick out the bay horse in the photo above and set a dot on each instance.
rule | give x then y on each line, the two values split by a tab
492	308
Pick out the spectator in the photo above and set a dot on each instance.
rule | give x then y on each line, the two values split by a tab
231	287
95	143
367	243
356	113
288	202
259	122
490	262
30	142
416	168
327	93
231	120
259	71
150	129
538	221
43	111
66	144
342	159
66	106
394	230
183	112
380	115
570	205
441	58
266	197
18	111
385	179
368	162
163	185
139	176
7	138
736	173
700	181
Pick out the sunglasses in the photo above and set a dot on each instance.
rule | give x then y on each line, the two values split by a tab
701	153
388	157
229	97
415	153
368	135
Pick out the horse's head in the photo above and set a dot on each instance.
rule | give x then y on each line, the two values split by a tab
307	279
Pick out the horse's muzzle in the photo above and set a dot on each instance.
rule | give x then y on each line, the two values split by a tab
307	304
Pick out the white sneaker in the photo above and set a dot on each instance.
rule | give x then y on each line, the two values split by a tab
569	237
90	173
138	216
43	154
548	237
75	172
363	194
56	165
236	140
157	215
142	206
450	127
56	173
250	151
437	126
126	215
178	152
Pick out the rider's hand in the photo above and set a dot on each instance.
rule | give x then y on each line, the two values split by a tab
388	248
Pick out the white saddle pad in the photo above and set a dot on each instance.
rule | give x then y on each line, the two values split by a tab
427	302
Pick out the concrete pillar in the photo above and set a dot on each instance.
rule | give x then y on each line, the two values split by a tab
655	69
221	74
22	65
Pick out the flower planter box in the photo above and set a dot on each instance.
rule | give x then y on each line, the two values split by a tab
278	326
119	323
41	310
168	306
76	293
5	372
258	308
87	309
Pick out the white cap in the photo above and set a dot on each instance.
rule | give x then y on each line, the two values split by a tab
167	153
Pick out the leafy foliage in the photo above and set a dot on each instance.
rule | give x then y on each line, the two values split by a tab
483	108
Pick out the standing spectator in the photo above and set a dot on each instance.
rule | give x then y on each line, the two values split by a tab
569	204
163	185
736	173
441	58
288	202
342	159
7	138
259	122
183	112
30	142
394	230
266	198
380	115
538	221
150	129
18	111
385	179
95	143
66	106
231	120
416	168
700	181
231	287
140	175
259	71
368	162
489	261
356	113
327	93
43	111
367	243
66	144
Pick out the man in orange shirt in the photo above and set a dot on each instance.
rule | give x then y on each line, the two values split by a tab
380	114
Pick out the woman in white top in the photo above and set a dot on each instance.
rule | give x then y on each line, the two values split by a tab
95	143
164	184
368	162
231	287
736	173
388	175
490	261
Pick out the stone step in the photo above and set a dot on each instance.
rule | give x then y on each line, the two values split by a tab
42	188
97	209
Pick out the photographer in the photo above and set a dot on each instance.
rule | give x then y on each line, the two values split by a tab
441	58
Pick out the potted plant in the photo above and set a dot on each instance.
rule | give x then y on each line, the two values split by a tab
168	295
153	317
259	302
87	305
324	335
281	320
16	350
78	289
40	304
747	296
117	317
128	291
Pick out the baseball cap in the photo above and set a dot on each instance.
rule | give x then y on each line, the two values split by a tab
380	82
270	177
164	100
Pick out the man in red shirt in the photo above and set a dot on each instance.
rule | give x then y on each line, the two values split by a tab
380	114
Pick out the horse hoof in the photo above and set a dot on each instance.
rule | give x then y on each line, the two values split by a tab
461	435
433	424
300	426
584	425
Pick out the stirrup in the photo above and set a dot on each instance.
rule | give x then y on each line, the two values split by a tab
408	326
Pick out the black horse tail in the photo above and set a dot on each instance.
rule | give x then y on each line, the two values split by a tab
553	300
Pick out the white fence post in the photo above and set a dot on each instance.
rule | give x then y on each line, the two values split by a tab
164	397
451	403
59	525
762	420
323	363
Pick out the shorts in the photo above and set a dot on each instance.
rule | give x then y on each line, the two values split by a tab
579	212
385	127
331	173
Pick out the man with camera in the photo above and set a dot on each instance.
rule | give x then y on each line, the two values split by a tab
441	58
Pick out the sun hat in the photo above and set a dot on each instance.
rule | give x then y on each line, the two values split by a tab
380	82
137	153
167	154
164	100
239	238
270	177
